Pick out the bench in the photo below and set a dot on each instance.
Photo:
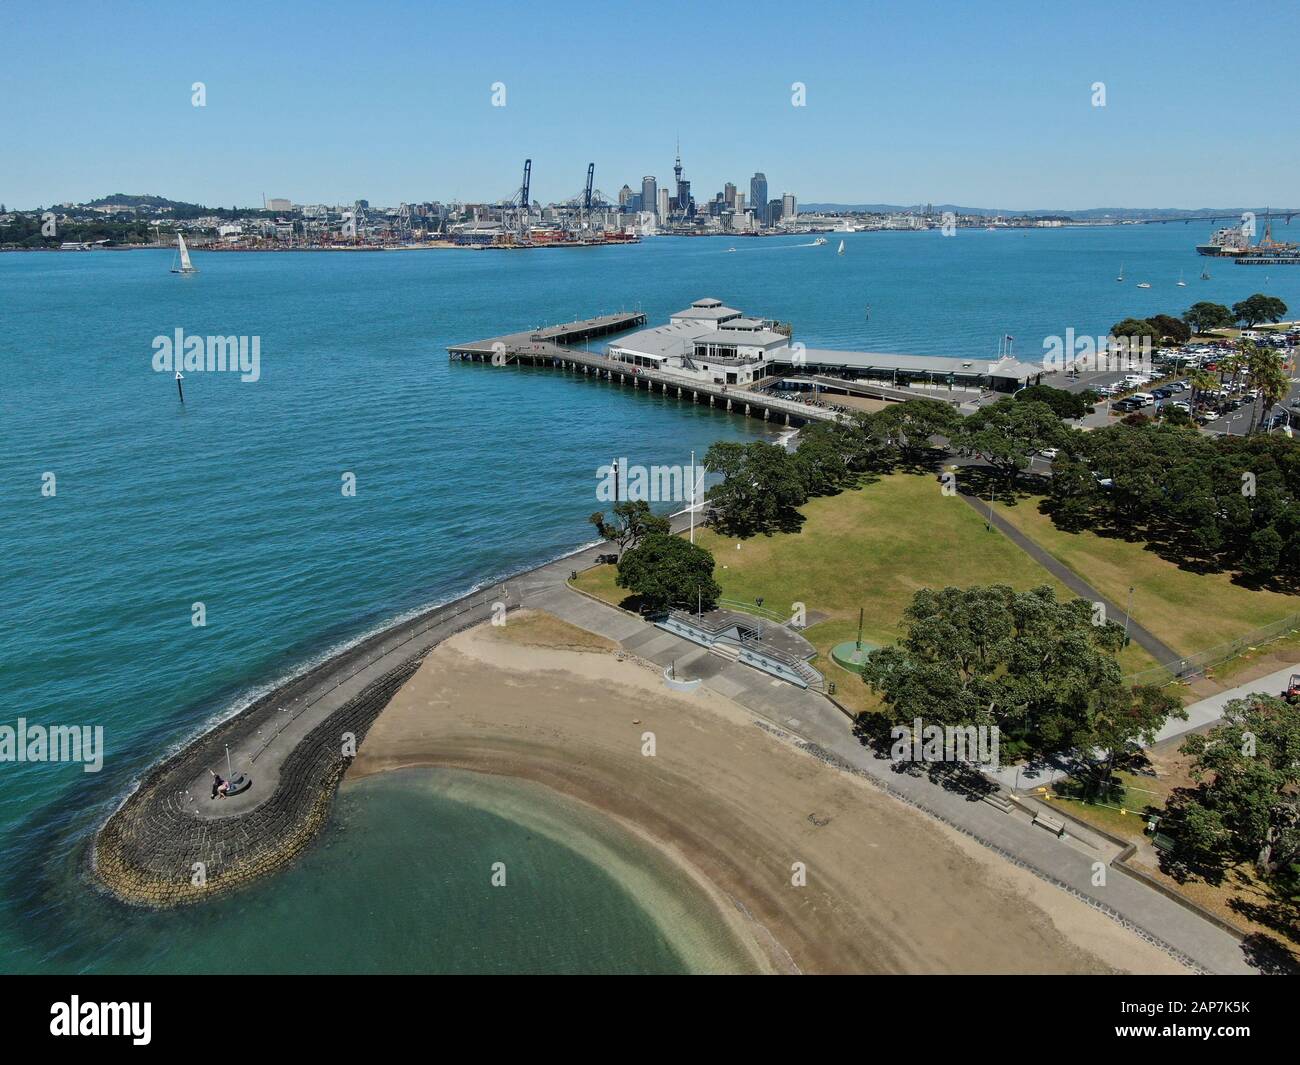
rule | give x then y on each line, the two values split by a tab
1050	823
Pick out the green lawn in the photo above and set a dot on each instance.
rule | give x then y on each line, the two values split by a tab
874	548
1189	611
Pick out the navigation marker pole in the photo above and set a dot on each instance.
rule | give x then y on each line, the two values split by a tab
229	769
179	390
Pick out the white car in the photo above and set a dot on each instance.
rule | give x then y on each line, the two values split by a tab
1049	453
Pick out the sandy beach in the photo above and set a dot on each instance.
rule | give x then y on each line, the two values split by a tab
888	889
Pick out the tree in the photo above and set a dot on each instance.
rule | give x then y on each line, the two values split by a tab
909	426
1172	328
665	571
1064	404
632	522
1135	331
1258	308
1266	375
1246	806
1205	316
1021	661
1008	434
762	486
1121	718
823	456
1201	381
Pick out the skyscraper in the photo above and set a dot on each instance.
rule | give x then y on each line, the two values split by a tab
729	194
758	196
788	206
649	193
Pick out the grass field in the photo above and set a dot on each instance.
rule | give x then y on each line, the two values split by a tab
873	548
1189	611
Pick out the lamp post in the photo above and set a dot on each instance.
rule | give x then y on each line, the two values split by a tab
1128	614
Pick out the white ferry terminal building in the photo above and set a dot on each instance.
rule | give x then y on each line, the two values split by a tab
711	343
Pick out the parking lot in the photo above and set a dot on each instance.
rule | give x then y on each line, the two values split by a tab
1227	409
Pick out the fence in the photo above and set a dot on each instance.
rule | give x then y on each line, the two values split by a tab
1203	660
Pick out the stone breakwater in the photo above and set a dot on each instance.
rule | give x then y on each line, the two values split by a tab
155	852
170	844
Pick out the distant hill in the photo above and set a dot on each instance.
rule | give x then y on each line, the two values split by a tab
125	200
1089	214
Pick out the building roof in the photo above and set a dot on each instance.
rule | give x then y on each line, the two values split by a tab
710	313
664	339
760	337
1012	369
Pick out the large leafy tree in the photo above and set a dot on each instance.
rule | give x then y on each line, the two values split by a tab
666	571
1037	668
633	520
909	426
1258	308
1171	328
1205	316
1246	805
1064	404
1008	434
761	487
1137	332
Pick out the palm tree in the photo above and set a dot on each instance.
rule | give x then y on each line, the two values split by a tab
1266	374
1231	363
1201	381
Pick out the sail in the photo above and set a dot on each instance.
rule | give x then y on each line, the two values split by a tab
185	253
841	251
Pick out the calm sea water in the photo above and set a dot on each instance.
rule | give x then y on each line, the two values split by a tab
464	474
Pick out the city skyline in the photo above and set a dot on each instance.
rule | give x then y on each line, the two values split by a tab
1005	111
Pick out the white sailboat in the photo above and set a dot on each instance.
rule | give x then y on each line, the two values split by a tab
1205	274
1121	273
1144	284
1181	282
183	253
840	250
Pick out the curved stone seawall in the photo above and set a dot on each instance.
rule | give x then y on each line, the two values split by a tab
154	851
171	844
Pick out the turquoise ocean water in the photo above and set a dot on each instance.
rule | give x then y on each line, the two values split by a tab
464	474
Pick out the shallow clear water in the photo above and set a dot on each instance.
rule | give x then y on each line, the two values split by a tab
464	473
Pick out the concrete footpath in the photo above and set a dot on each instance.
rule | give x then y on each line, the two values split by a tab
1207	711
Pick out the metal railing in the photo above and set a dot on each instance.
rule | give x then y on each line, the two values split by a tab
1213	656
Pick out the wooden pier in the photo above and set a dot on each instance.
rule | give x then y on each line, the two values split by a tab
547	348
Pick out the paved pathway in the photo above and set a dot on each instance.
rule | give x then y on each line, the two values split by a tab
1161	652
1207	711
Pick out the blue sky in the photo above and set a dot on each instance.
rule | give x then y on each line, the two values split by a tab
981	104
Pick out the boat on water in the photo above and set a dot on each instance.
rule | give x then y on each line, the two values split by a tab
819	241
1181	282
1230	240
182	257
1144	284
730	250
1121	273
840	251
1205	274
